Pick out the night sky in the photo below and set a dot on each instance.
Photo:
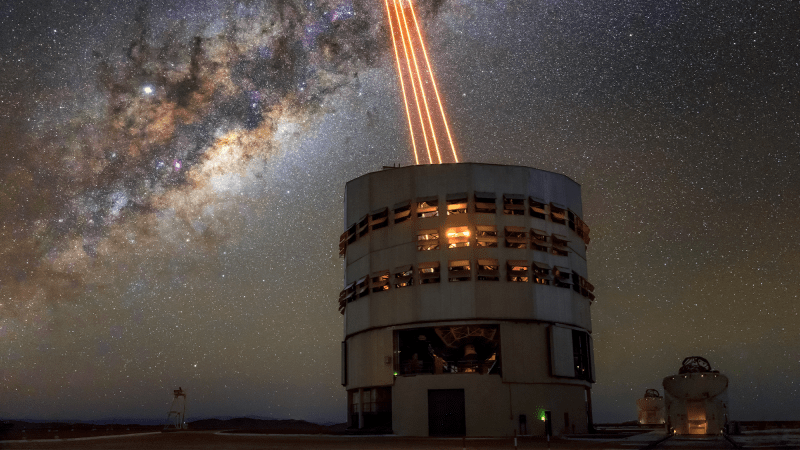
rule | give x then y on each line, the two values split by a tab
173	172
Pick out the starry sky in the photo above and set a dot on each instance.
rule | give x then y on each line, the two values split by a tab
173	173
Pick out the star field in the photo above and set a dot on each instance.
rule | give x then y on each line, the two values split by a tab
172	178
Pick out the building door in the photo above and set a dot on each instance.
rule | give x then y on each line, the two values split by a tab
446	416
696	413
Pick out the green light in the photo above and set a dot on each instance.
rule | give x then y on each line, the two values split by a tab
395	374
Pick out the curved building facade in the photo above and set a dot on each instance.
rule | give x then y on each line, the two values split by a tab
466	302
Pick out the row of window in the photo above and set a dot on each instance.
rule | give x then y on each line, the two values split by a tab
482	203
486	236
520	271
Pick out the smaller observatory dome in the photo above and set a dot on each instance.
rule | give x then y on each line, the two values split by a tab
696	398
651	408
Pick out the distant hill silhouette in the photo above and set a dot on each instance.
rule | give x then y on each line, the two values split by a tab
276	426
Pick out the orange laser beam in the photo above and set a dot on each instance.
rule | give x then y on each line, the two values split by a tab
422	88
411	77
402	83
433	81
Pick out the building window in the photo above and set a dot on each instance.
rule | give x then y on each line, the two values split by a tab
402	211
363	226
581	355
350	292
362	286
343	244
541	273
458	237
571	220
427	207
403	276
586	288
537	208
517	271
342	300
582	229
558	214
539	240
379	218
376	407
428	272
428	240
486	236
562	277
560	245
488	270
459	270
514	204
457	203
485	202
380	281
449	349
516	237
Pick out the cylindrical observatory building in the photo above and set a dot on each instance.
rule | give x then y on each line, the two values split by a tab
466	302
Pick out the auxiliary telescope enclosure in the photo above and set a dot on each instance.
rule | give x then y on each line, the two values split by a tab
466	302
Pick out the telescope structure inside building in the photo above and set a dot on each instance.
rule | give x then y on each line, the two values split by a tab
466	302
651	408
696	399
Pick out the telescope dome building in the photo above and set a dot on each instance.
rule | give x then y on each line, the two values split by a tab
466	302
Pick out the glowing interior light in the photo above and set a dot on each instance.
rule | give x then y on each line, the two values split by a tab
417	73
453	233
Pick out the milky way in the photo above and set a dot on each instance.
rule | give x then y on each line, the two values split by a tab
173	171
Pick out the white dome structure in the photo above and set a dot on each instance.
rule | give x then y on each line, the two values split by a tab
466	302
696	399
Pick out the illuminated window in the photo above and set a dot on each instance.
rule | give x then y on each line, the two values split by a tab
428	240
362	286
458	237
379	218
428	272
488	270
560	245
517	271
486	236
380	281
459	270
427	207
403	276
457	203
537	208
562	277
516	237
541	273
485	202
363	226
514	204
539	240
402	211
558	213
